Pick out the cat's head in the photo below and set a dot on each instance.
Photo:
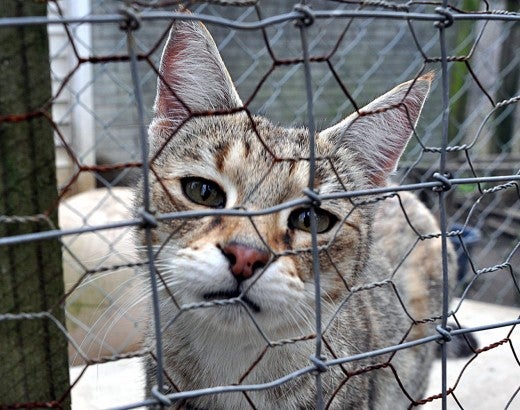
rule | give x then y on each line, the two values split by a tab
208	153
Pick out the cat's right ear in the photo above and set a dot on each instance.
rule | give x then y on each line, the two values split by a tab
374	138
193	78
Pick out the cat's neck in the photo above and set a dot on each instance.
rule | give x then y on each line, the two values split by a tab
214	358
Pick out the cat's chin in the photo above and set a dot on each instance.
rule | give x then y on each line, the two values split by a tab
224	295
235	320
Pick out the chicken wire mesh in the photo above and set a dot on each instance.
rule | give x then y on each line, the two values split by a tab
464	164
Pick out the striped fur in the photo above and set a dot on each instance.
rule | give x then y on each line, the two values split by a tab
259	165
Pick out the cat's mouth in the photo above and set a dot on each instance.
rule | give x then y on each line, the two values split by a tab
231	294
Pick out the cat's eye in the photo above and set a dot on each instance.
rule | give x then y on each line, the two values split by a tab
204	192
301	219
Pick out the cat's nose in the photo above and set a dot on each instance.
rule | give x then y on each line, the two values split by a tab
244	260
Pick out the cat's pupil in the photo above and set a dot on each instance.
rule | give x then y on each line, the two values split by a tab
306	218
205	191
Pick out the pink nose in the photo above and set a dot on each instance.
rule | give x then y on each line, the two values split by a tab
244	260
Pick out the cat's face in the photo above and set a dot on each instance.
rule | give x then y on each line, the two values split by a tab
201	162
223	163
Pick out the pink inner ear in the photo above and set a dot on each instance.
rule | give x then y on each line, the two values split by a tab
388	159
194	78
390	151
168	103
378	133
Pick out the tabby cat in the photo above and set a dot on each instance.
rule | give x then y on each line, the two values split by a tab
237	294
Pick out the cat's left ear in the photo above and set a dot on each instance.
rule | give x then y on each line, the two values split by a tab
378	133
193	78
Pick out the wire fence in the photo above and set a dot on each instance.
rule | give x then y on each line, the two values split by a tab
308	63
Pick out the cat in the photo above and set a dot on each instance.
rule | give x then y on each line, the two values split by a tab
237	294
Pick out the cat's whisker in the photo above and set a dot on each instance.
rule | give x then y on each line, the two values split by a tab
120	311
99	273
114	308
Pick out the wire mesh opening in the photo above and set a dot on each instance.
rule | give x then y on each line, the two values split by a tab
299	65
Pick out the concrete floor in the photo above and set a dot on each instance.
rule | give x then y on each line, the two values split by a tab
490	379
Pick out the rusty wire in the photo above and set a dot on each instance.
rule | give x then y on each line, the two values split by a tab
135	15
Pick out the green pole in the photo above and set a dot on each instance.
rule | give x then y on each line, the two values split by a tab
33	351
510	75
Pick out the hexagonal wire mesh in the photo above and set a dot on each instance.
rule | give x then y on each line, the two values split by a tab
294	65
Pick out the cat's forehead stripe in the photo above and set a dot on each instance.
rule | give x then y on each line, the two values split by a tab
220	155
231	152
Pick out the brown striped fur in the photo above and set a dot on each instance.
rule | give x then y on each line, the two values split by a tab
371	298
